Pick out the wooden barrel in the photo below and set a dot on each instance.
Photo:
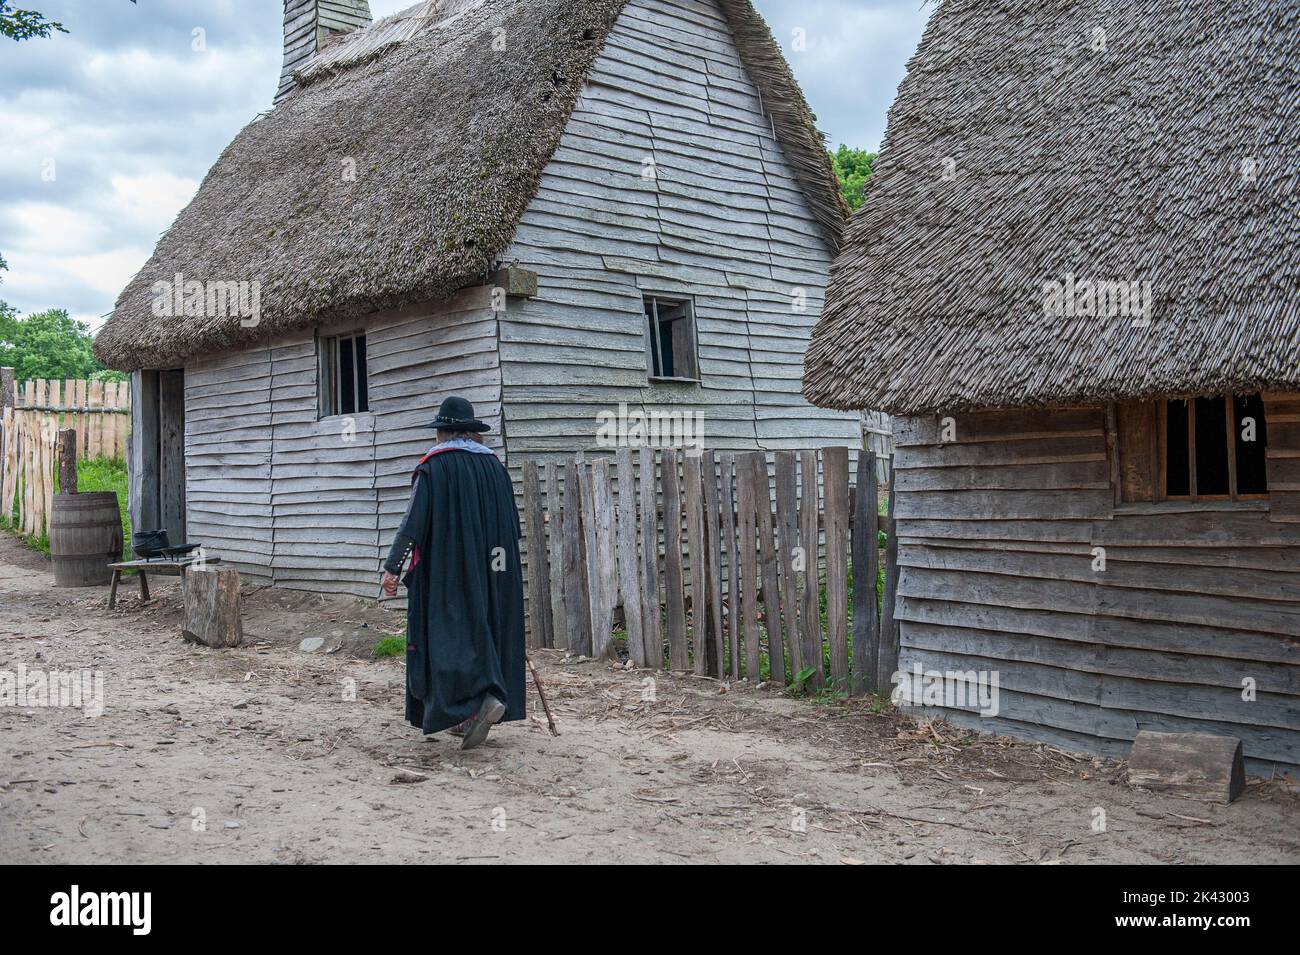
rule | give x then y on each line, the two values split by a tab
85	536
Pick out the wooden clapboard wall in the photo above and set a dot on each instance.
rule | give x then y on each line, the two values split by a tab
1282	414
721	219
996	536
228	458
415	362
309	502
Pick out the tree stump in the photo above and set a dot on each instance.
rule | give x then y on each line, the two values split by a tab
1195	765
212	607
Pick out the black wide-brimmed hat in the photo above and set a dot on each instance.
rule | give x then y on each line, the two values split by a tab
457	414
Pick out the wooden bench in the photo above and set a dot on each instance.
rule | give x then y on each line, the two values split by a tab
163	568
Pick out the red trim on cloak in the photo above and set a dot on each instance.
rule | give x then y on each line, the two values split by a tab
429	455
415	551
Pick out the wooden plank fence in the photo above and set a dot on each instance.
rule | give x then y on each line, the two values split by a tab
31	415
878	436
719	562
99	411
27	481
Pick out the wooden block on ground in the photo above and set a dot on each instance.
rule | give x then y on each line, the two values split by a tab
212	608
1195	765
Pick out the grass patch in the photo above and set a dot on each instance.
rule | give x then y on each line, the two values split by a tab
393	646
100	474
41	544
107	474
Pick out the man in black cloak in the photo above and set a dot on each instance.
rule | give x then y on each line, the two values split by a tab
465	592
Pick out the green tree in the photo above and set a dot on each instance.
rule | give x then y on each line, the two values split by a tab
852	169
47	344
25	24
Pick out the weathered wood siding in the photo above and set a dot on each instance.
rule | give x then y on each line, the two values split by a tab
996	536
309	502
720	219
1282	415
228	458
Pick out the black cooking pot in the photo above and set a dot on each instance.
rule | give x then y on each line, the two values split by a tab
149	544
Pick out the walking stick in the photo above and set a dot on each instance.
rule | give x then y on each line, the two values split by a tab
541	694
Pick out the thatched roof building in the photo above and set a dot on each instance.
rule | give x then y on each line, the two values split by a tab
557	209
1152	142
1075	281
447	114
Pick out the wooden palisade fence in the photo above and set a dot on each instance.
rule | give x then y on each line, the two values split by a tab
729	537
31	415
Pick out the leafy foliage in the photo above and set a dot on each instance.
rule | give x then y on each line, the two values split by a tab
852	169
22	24
106	474
48	344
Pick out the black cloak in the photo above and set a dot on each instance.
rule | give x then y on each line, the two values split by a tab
465	592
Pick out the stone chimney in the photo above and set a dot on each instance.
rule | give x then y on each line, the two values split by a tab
308	26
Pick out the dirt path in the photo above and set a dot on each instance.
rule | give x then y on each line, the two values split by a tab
261	745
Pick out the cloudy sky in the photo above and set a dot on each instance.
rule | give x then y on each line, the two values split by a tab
106	132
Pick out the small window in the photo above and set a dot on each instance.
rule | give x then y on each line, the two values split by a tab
671	324
1199	449
343	388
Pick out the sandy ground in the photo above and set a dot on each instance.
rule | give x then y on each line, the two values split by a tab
257	755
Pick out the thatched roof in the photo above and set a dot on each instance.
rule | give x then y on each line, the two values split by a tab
1160	150
448	138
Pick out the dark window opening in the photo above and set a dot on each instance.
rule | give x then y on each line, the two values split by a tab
1211	447
1250	440
672	342
1203	449
1178	473
343	378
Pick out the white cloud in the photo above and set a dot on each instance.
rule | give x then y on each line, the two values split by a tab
106	272
151	199
46	224
854	56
